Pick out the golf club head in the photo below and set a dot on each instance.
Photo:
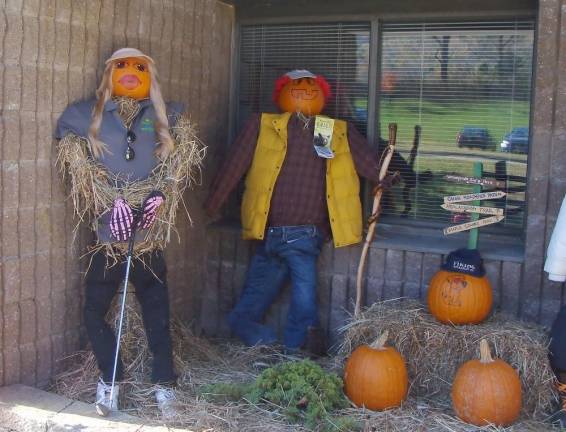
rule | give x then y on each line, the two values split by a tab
102	410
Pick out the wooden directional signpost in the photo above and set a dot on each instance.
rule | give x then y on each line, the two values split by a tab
475	181
474	199
463	208
474	224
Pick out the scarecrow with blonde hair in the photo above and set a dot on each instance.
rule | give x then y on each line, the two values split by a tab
129	157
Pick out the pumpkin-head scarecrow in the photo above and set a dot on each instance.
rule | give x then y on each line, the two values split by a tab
128	171
301	91
301	187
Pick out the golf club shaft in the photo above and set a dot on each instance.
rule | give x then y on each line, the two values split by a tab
123	306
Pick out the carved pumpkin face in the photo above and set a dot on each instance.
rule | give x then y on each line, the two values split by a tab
131	78
459	298
302	95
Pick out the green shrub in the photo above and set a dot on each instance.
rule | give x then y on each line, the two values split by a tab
303	391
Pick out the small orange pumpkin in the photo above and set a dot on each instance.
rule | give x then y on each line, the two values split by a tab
302	95
388	82
131	78
459	298
487	391
375	376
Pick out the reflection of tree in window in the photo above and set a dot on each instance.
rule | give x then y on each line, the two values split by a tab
452	79
442	55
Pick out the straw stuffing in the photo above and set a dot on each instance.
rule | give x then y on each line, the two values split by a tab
433	352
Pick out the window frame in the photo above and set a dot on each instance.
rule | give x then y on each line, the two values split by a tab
512	250
504	235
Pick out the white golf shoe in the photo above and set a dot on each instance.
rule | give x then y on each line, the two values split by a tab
167	402
103	391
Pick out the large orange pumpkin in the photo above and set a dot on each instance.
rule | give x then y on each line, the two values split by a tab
302	95
131	77
375	376
487	391
459	298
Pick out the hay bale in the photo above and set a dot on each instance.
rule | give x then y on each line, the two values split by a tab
430	415
200	362
434	351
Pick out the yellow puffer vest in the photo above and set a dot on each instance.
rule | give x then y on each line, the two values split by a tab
342	182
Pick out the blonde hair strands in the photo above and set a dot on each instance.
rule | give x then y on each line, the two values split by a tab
103	95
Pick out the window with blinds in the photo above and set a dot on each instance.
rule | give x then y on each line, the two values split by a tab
466	86
338	51
461	96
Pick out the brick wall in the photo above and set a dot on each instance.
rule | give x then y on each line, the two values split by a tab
51	55
540	298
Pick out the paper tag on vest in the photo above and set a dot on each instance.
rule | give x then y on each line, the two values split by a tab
322	139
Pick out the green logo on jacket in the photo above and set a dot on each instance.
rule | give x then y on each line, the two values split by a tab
147	125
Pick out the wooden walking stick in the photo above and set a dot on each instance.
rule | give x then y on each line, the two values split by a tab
411	163
374	215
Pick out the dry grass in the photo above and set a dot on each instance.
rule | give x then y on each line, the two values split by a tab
198	362
433	352
431	415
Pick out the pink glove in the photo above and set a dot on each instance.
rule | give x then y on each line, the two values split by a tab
150	207
121	220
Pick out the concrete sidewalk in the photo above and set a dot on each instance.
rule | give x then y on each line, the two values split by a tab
27	409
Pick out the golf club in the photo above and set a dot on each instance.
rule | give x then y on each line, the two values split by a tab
101	408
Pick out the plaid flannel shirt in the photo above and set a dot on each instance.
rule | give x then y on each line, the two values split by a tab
299	196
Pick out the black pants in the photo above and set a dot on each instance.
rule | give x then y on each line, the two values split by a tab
148	278
558	343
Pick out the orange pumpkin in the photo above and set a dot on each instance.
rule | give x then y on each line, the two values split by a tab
388	82
131	77
487	391
459	298
375	376
302	95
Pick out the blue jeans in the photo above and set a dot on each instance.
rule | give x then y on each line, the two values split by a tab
286	251
557	346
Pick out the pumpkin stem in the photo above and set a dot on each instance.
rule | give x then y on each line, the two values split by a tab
485	352
380	341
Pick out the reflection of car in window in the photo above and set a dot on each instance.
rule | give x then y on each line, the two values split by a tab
516	141
472	136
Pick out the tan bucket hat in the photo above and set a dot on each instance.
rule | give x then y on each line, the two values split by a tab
123	53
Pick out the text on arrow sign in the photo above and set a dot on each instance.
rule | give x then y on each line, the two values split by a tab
474	224
472	209
474	197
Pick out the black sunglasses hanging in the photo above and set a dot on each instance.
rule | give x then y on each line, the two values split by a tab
130	139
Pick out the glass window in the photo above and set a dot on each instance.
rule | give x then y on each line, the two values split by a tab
467	87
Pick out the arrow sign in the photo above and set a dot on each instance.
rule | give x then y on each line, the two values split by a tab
474	197
475	181
474	224
472	209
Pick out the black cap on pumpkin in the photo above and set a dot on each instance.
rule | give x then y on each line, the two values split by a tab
466	261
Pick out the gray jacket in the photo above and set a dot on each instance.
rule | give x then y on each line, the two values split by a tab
76	119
